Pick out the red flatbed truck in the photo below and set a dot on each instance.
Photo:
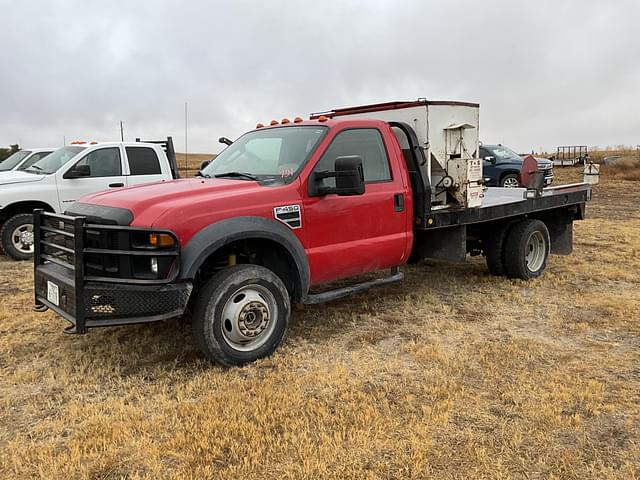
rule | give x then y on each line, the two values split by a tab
286	208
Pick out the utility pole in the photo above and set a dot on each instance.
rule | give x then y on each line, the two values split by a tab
186	141
121	131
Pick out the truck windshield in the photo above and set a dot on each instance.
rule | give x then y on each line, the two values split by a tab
504	154
52	162
11	162
273	155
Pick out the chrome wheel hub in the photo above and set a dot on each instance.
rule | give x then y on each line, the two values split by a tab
535	251
511	183
249	317
22	238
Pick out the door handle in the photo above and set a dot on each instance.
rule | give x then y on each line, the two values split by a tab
398	202
116	185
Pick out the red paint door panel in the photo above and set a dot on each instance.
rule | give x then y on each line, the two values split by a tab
350	235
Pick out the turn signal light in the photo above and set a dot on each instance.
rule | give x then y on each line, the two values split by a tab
161	240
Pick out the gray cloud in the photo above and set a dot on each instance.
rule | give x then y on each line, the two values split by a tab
546	73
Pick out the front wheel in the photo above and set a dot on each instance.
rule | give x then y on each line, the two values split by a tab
241	315
17	236
510	180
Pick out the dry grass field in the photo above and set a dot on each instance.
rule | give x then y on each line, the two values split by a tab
190	164
453	374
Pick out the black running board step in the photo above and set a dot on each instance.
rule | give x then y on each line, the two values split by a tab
315	298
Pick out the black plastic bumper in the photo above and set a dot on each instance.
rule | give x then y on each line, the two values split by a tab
107	304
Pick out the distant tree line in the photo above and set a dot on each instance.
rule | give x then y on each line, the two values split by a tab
6	152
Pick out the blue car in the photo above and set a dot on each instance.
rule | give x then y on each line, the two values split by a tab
501	166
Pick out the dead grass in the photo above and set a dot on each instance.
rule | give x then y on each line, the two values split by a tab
452	374
190	164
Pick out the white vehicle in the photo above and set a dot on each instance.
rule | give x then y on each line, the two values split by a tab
64	176
23	159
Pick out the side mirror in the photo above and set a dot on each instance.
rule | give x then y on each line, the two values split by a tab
205	164
78	171
490	159
225	140
349	176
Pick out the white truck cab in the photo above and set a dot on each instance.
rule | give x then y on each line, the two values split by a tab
69	173
23	159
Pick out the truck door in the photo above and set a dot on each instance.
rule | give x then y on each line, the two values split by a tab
144	166
100	169
349	235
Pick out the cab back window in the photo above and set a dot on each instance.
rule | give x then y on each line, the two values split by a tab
143	161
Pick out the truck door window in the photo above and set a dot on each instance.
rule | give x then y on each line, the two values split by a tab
365	142
104	162
143	161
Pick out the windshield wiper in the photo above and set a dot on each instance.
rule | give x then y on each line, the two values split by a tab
236	175
36	169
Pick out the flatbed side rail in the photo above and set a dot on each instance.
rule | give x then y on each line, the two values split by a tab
563	196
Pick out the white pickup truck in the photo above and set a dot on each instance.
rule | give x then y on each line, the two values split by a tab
23	159
62	177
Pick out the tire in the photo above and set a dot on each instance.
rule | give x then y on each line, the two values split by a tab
16	236
241	315
494	249
510	180
527	248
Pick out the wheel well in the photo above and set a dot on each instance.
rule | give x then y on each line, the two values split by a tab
22	207
507	172
257	251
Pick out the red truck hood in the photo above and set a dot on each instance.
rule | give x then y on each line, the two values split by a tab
149	201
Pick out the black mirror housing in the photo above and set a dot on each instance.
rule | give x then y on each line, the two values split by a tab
78	171
349	176
490	159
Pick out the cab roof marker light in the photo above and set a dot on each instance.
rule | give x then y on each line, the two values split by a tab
284	121
273	122
323	118
297	120
260	125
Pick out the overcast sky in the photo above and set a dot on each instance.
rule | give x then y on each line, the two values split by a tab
545	73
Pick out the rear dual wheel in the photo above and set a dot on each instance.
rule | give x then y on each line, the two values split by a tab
519	250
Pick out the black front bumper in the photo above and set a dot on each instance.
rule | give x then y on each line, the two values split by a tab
85	273
100	304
